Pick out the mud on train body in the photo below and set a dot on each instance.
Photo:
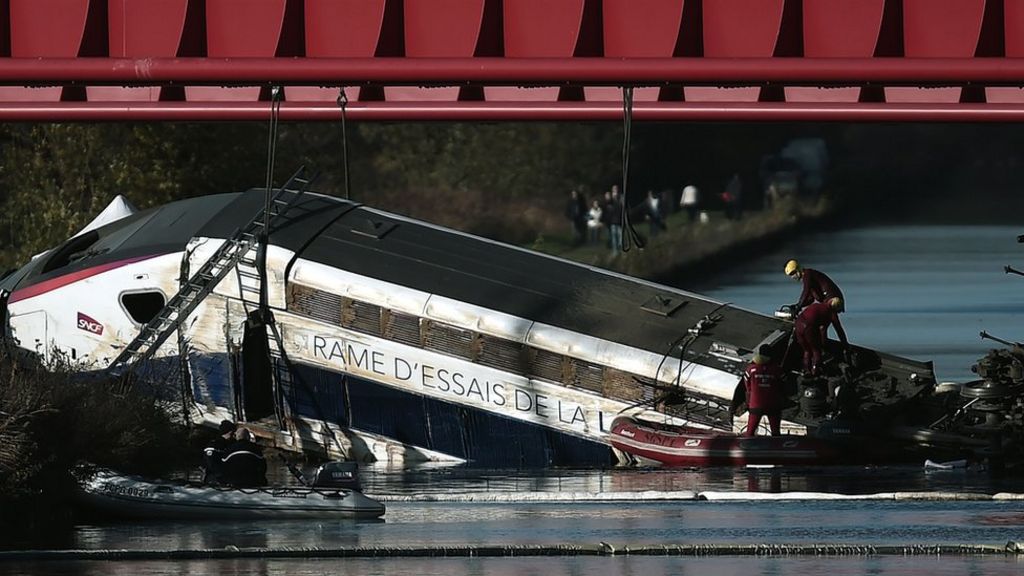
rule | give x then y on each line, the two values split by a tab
398	340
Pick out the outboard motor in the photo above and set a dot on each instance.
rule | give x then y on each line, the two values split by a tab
337	474
786	312
813	397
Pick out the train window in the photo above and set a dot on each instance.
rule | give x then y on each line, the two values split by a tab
73	249
143	306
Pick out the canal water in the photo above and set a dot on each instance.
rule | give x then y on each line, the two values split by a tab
923	292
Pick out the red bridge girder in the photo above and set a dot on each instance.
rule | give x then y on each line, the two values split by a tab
927	60
513	111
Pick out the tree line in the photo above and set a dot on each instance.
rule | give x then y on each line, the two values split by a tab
502	180
54	178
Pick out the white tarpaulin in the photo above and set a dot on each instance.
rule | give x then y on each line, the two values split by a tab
118	208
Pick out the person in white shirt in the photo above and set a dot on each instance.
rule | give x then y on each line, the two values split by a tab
689	201
594	223
654	216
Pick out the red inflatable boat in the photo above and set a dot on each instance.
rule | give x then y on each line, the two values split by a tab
686	446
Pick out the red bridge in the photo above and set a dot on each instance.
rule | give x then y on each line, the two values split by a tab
935	60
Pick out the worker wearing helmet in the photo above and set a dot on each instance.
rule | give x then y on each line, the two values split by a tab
763	381
818	287
811	328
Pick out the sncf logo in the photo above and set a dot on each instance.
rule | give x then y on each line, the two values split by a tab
89	325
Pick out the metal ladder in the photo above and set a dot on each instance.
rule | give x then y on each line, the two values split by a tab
230	254
251	294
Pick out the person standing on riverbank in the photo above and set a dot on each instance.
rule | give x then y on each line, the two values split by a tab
595	221
614	210
817	286
812	330
653	213
576	213
689	202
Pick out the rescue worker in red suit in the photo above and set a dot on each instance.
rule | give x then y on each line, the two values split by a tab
812	331
817	286
763	380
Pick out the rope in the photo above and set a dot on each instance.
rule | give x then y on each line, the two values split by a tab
628	232
284	491
261	250
275	111
342	103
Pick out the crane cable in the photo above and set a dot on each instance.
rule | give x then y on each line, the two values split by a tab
264	235
628	232
264	241
342	103
275	112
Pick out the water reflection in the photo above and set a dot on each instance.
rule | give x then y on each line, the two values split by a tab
508	497
642	521
461	480
613	566
437	524
213	535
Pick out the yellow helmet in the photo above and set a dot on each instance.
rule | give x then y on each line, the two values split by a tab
836	304
791	267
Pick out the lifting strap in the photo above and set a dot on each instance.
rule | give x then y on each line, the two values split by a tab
629	234
342	103
263	238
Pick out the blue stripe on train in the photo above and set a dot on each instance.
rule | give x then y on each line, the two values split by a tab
211	378
481	437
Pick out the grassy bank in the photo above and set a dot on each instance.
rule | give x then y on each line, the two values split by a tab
695	248
49	422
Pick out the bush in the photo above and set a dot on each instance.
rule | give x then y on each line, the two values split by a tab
51	420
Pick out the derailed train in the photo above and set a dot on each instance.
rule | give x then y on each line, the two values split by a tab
373	336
